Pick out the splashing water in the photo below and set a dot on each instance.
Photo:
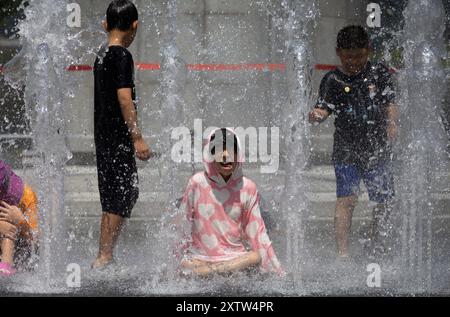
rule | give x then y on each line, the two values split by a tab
48	46
294	203
173	78
423	139
40	66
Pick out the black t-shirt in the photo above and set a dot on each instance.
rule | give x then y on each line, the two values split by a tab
113	69
359	105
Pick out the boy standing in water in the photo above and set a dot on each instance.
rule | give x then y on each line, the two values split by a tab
116	132
361	97
19	225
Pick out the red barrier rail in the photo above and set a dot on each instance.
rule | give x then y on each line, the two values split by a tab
206	67
213	67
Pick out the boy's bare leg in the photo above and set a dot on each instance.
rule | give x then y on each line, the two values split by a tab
343	222
380	226
109	231
7	247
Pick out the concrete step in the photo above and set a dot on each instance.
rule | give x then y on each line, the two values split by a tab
82	198
84	179
319	179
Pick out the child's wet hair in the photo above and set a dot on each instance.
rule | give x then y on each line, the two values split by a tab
352	36
120	15
225	135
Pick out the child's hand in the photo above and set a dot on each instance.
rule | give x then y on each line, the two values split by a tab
8	230
10	213
317	115
142	149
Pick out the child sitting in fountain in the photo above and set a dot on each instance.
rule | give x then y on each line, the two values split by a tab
18	222
222	209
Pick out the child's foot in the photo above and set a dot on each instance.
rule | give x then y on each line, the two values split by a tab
185	273
192	264
102	262
6	269
343	262
343	256
343	259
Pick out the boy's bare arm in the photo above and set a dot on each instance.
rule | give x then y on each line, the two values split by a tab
130	116
318	115
392	115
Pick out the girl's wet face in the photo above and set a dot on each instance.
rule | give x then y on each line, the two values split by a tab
225	162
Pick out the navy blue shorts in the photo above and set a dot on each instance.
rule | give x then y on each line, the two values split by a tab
379	182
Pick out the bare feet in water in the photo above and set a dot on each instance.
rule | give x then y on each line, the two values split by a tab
102	262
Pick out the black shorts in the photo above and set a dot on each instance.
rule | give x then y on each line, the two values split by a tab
117	179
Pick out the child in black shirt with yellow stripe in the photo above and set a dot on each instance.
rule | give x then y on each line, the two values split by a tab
360	95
